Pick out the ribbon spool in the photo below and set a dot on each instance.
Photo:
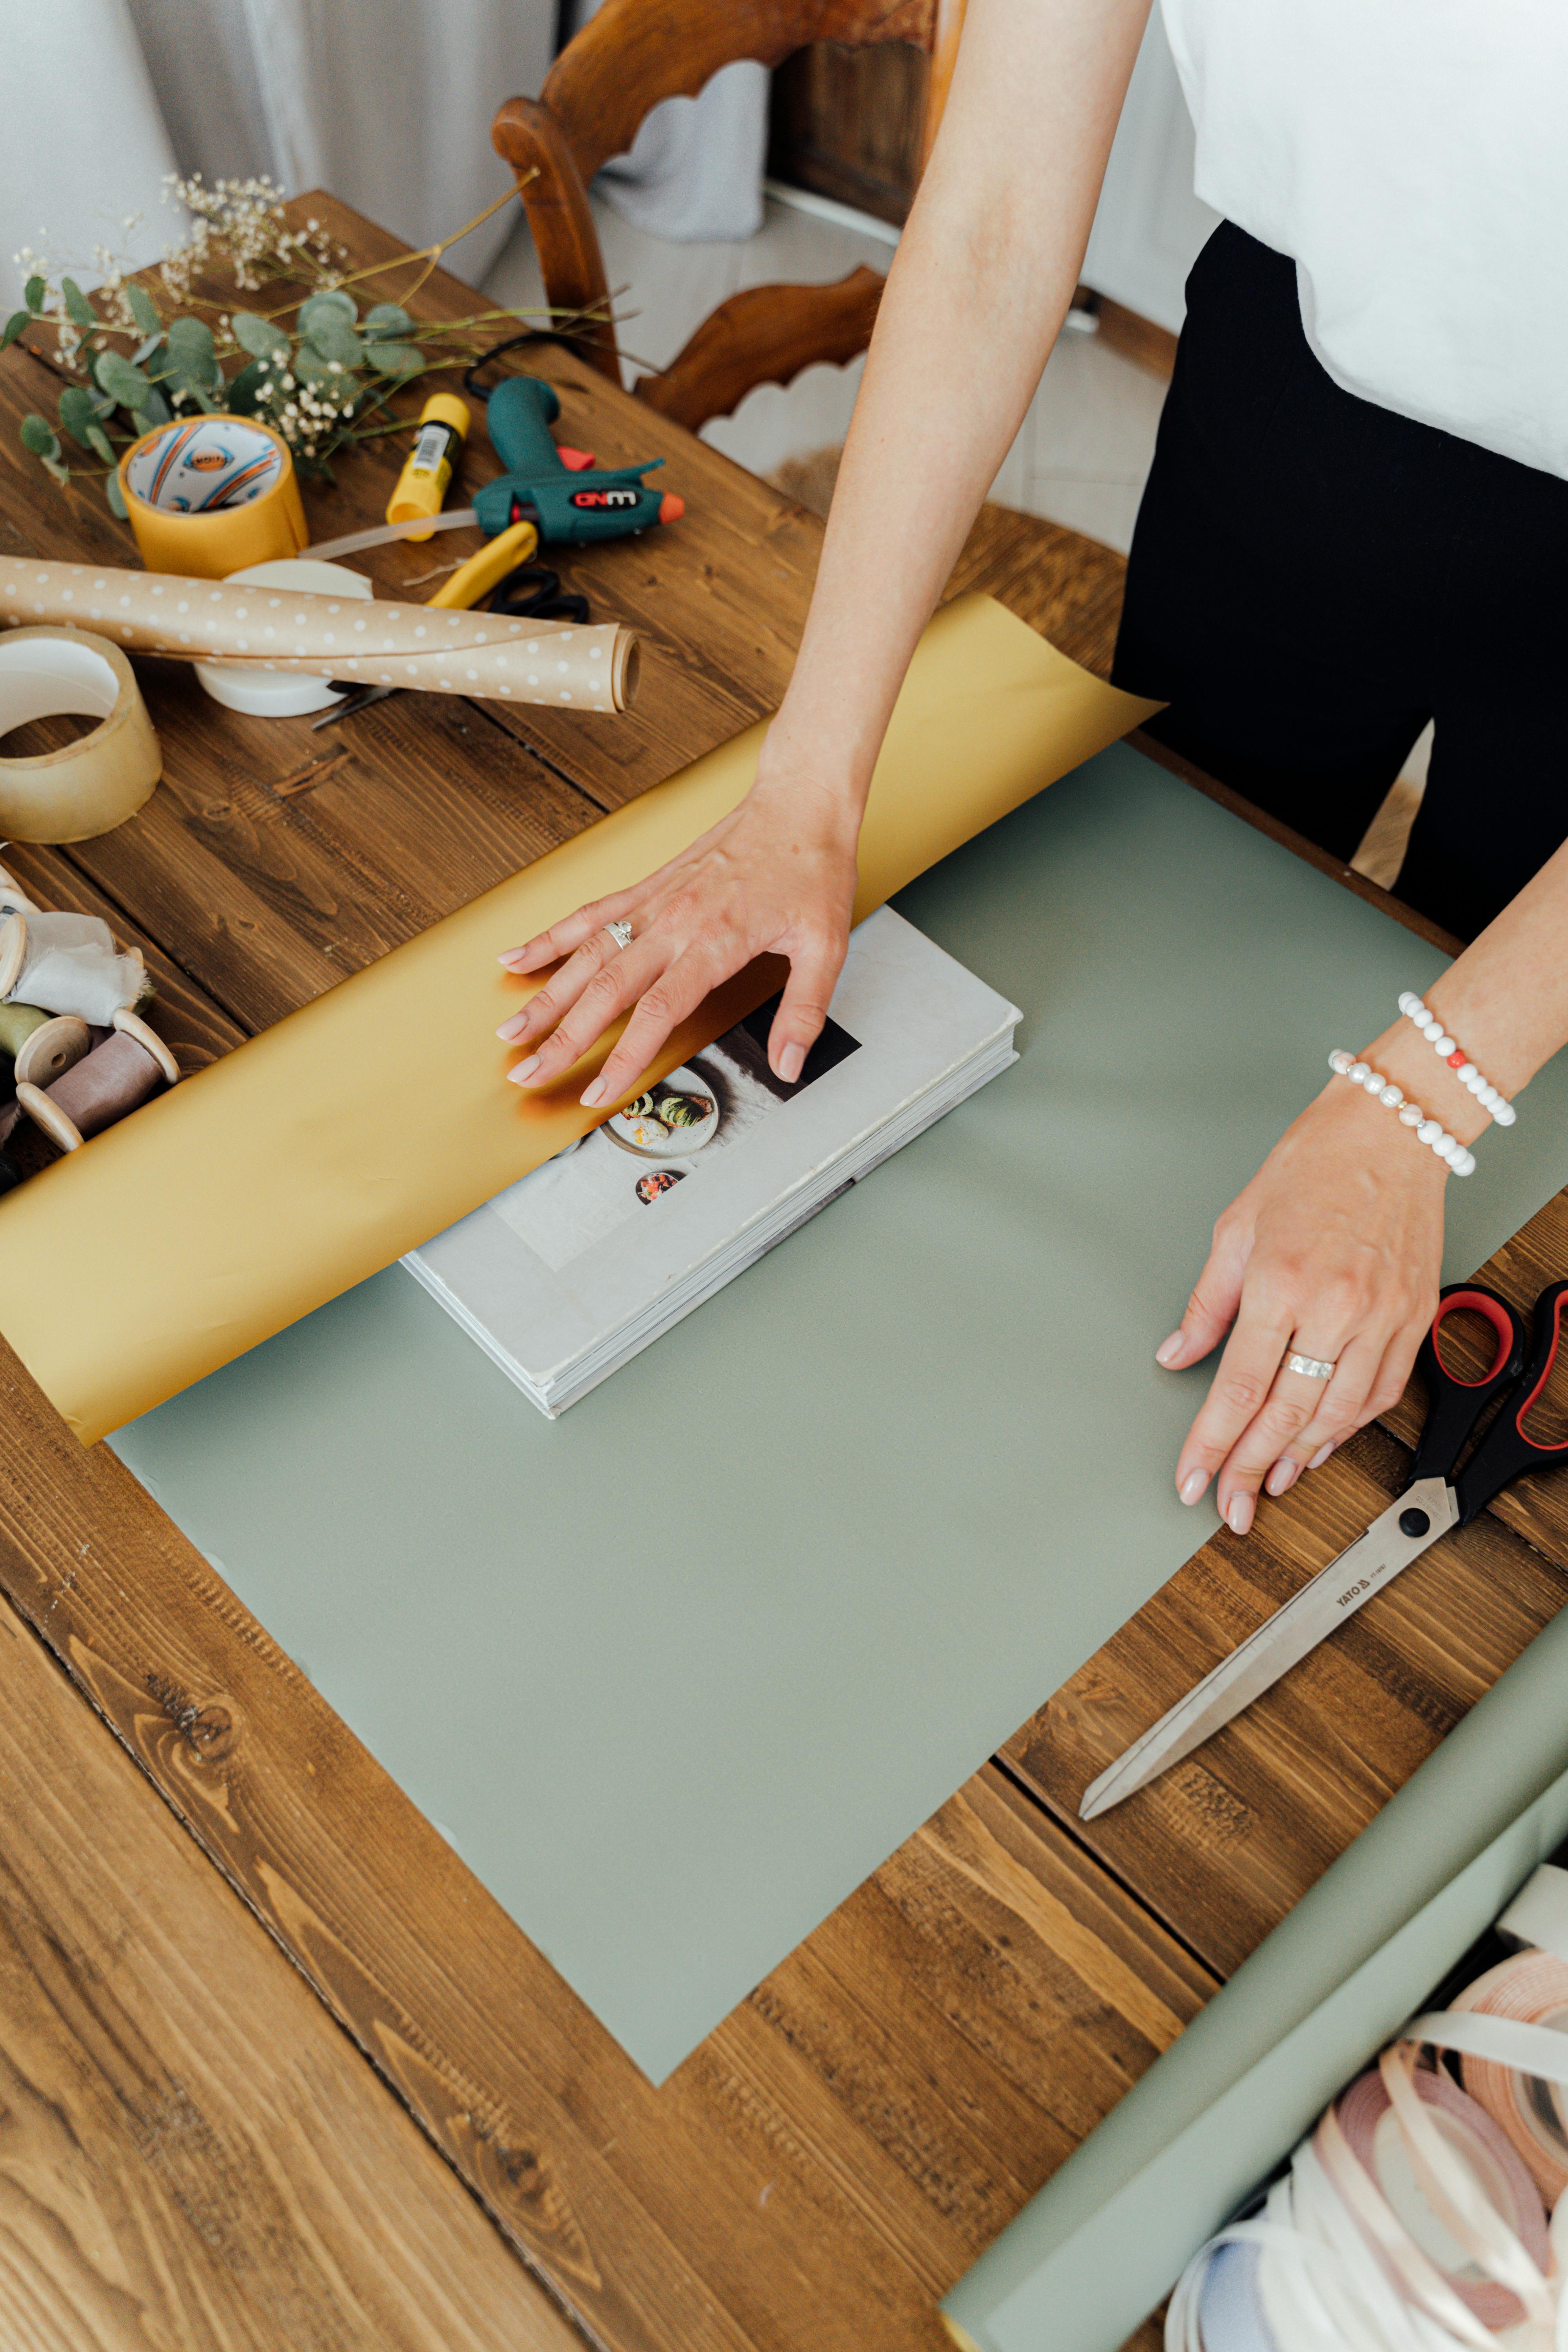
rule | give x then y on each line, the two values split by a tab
126	1070
1532	2114
42	1045
90	786
1372	2129
208	496
70	963
1230	2316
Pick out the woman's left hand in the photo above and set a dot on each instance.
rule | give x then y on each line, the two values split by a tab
1333	1251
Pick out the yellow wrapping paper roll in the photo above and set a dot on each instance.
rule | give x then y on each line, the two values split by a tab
317	1153
416	645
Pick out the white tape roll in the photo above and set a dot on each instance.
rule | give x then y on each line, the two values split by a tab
96	783
282	694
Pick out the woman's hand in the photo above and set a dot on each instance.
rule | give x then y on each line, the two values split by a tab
1333	1251
775	876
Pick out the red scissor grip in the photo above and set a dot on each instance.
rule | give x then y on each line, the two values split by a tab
1481	1302
1561	1446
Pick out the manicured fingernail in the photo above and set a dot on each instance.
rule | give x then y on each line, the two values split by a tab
512	1028
1193	1484
1284	1474
1238	1518
1321	1456
1168	1349
524	1071
597	1094
791	1061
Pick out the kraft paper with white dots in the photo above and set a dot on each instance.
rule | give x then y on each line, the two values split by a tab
412	645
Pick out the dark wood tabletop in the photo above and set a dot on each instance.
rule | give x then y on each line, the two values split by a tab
225	2106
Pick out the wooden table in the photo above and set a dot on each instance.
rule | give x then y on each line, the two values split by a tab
204	2145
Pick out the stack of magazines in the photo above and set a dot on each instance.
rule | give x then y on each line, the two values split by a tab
568	1273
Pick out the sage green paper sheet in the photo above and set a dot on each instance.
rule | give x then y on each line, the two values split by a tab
677	1671
1113	2229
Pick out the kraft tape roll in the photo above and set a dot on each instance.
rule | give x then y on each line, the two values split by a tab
380	1114
265	628
206	497
94	784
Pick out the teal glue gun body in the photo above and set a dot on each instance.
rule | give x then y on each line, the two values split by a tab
539	486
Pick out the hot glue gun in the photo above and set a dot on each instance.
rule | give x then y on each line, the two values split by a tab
559	491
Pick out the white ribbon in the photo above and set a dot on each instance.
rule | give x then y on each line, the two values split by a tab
71	965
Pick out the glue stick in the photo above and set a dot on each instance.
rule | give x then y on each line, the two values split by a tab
443	428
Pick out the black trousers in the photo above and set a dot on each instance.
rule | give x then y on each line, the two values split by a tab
1313	578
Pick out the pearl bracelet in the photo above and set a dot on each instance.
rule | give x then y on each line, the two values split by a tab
1430	1132
1469	1077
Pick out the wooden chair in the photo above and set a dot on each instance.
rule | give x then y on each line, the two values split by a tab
624	61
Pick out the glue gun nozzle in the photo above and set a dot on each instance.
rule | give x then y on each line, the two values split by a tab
670	508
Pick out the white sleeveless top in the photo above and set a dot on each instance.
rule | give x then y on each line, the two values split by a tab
1411	156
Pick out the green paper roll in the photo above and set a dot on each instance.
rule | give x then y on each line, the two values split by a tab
1112	2233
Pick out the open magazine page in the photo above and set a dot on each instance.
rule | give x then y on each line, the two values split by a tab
637	1159
578	1265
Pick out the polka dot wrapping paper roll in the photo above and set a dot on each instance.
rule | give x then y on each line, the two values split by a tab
412	645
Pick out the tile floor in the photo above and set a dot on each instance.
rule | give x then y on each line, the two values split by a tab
1081	458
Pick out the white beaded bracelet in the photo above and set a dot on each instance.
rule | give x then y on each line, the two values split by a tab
1430	1132
1445	1047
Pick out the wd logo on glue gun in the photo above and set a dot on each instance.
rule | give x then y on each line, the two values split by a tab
552	490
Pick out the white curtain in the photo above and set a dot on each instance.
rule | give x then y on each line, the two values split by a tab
387	103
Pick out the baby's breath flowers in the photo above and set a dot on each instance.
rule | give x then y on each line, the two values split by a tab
315	369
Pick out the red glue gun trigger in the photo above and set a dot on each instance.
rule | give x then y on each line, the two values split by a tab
576	461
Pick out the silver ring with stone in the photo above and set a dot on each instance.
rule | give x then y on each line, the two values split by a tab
621	933
1311	1368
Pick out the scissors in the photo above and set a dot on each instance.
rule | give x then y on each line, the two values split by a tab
1433	1501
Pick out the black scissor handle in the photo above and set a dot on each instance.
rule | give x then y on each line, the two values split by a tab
1505	1450
1457	1404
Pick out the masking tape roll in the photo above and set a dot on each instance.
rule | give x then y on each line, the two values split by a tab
206	497
96	783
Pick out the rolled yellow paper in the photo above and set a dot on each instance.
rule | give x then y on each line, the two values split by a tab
317	1153
414	646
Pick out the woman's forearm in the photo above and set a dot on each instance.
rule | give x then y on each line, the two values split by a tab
1504	1000
976	297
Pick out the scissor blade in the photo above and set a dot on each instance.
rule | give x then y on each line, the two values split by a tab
1335	1593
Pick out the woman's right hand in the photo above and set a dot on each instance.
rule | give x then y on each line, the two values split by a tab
775	876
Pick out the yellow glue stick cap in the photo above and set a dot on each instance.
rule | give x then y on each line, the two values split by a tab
443	428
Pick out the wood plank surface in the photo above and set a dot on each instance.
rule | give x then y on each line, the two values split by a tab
814	2175
192	2155
1226	1842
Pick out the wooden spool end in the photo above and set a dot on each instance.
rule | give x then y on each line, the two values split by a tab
50	1116
52	1050
130	1024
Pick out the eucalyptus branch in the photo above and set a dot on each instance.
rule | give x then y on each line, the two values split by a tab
313	369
